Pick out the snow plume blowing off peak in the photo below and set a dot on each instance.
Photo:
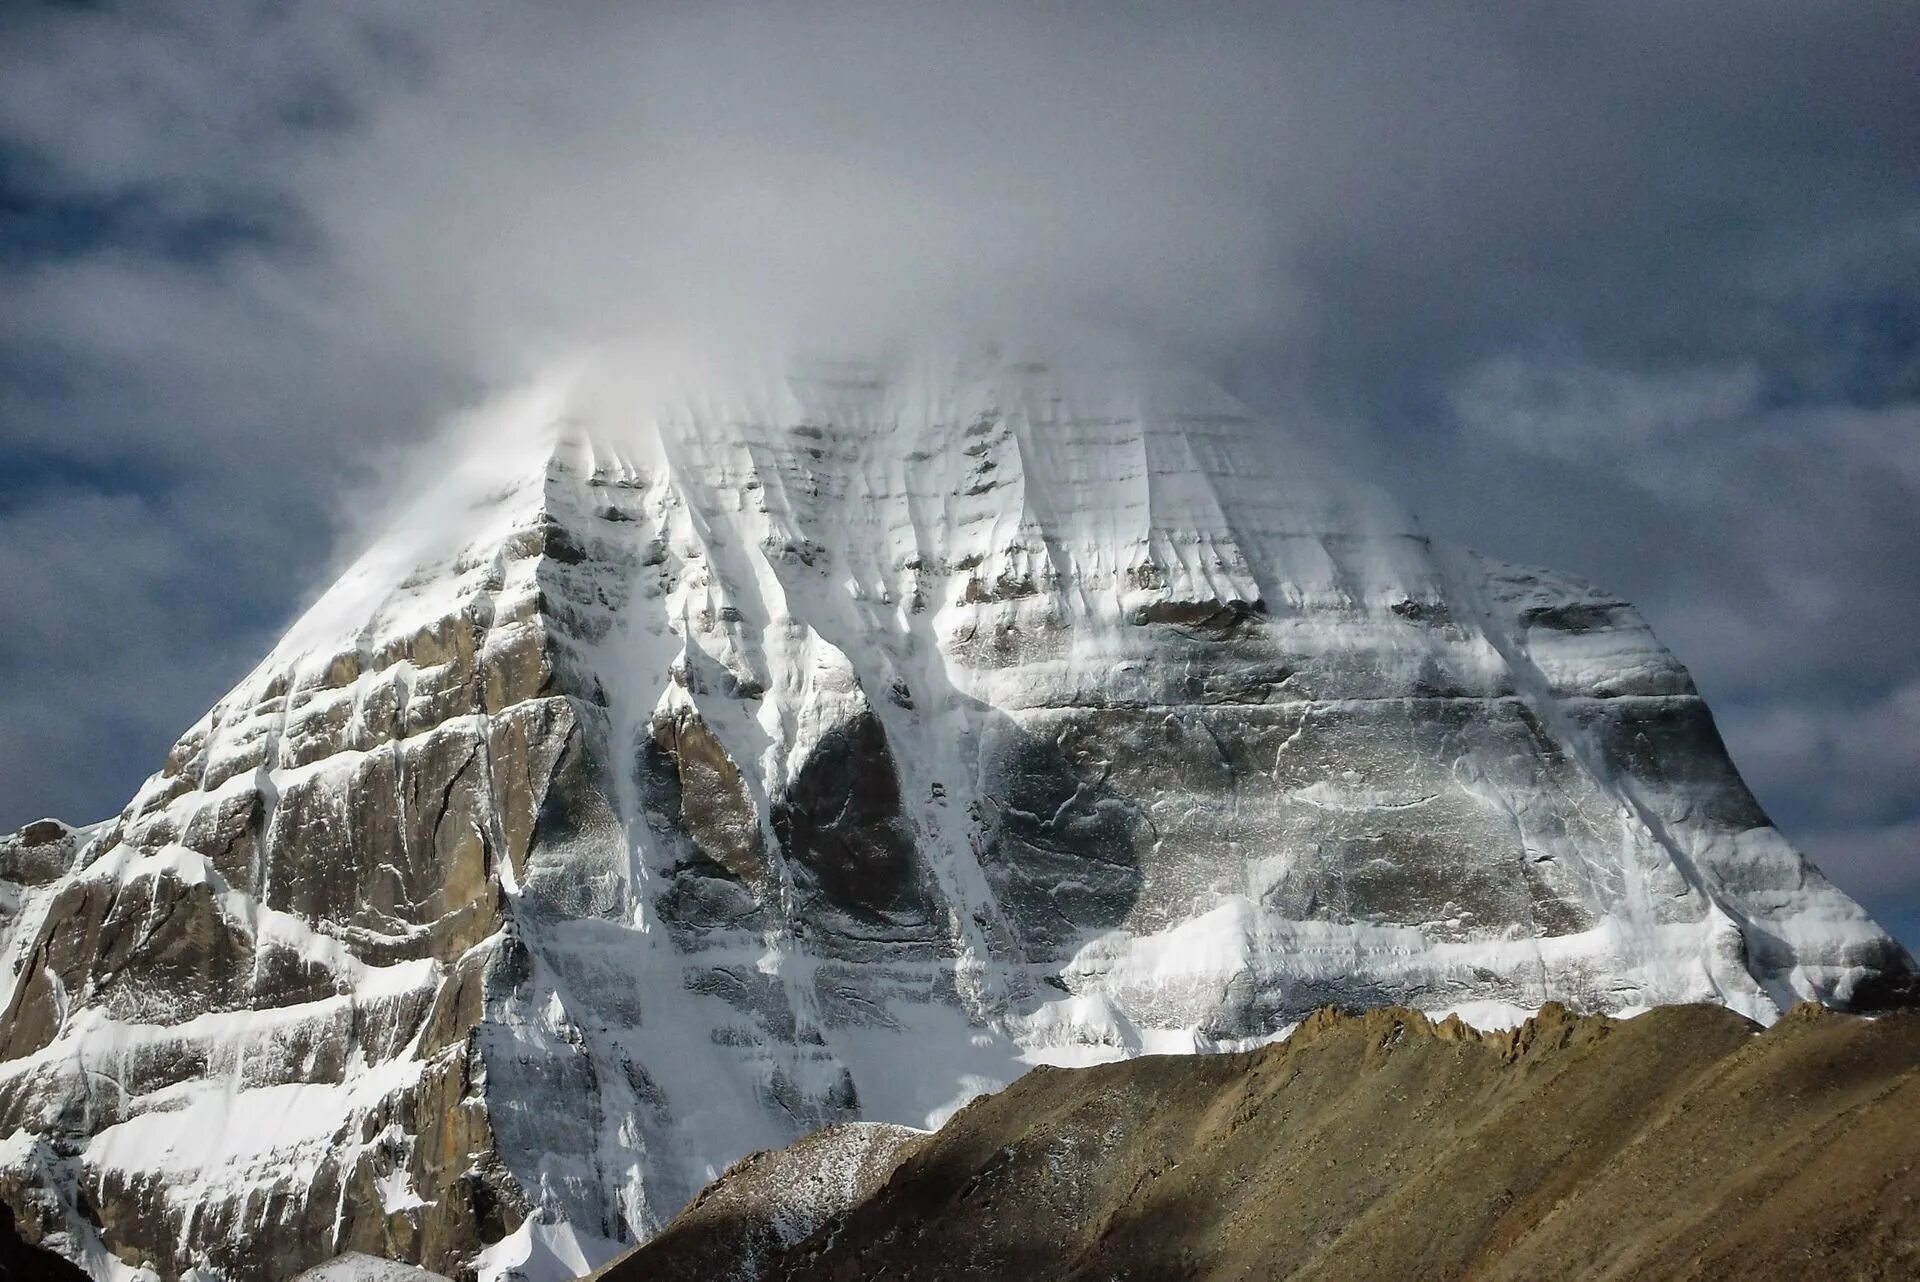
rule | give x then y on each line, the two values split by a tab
713	752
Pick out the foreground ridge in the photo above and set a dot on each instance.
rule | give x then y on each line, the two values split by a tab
703	760
1682	1143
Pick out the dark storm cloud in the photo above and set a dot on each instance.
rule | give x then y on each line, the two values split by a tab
1629	289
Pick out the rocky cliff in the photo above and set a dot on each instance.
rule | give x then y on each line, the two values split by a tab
696	765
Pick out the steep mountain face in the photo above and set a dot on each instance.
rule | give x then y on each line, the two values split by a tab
1684	1143
691	769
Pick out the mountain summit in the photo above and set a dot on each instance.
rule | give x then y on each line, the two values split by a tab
697	765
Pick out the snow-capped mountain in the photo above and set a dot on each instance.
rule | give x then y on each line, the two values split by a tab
697	765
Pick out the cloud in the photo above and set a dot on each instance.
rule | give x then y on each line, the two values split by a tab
1766	538
1858	762
1769	543
1583	413
113	638
1627	289
482	188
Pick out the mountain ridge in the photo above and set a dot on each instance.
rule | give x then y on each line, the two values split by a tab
1685	1142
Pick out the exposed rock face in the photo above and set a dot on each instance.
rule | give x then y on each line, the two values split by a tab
690	772
1681	1144
21	1261
744	1222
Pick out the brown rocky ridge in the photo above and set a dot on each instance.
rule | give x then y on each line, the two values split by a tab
1684	1143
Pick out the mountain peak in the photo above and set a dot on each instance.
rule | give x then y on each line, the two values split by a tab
700	759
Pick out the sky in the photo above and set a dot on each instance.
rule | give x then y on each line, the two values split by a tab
1626	289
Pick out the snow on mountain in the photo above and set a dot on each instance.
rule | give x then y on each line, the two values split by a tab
702	761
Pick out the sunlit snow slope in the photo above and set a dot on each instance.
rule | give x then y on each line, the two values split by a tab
703	762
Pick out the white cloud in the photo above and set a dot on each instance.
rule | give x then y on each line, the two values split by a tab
1854	760
1876	862
1588	413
